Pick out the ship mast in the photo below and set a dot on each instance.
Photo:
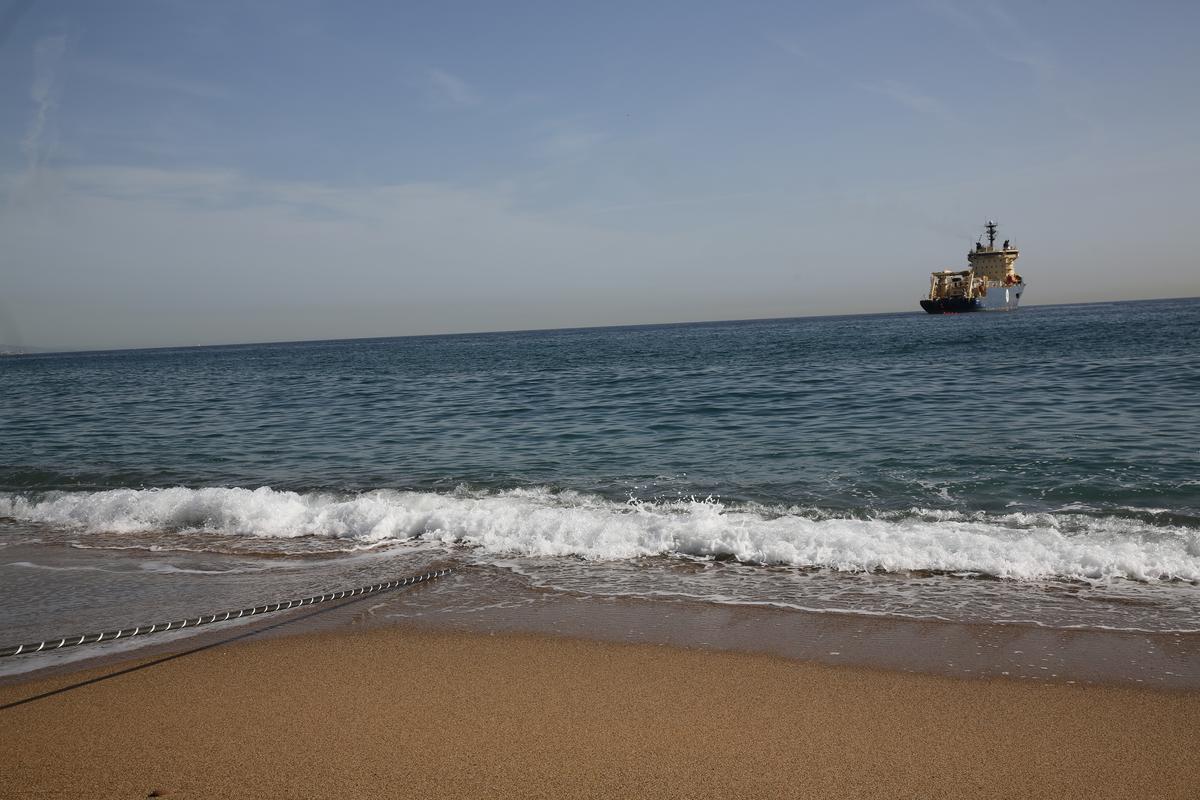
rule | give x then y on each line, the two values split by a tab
991	229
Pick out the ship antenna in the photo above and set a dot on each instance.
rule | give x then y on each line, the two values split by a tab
991	229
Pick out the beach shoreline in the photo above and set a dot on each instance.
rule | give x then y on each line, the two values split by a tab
454	713
485	600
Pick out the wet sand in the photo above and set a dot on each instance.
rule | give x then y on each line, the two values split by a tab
401	710
488	600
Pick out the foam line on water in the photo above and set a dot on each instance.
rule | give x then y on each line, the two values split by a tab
540	522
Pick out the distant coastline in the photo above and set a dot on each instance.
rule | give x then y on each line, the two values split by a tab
15	350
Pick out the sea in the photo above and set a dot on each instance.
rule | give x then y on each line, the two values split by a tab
1037	470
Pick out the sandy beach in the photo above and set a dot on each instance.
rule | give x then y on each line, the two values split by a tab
404	711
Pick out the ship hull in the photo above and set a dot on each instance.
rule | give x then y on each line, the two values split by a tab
1003	298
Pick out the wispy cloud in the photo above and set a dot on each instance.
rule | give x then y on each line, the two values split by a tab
910	98
450	89
978	16
792	45
47	54
685	201
789	45
991	23
568	143
902	93
1011	39
969	17
154	80
202	187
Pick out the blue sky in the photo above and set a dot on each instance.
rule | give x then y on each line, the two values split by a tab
188	172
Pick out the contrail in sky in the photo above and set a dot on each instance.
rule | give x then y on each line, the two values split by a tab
46	54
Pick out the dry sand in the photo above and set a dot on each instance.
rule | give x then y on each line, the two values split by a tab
404	712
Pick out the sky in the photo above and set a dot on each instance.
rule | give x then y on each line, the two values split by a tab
179	173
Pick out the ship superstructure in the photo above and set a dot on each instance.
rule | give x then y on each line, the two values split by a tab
990	283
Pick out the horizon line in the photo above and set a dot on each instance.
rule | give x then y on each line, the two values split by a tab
281	342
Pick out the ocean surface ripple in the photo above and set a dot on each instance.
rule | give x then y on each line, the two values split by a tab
1055	447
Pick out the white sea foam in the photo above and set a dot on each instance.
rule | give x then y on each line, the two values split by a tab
538	522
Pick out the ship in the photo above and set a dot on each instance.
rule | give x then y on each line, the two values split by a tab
990	283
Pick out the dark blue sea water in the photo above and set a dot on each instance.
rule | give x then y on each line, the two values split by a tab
1081	406
975	467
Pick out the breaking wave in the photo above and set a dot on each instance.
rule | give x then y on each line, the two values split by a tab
541	522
